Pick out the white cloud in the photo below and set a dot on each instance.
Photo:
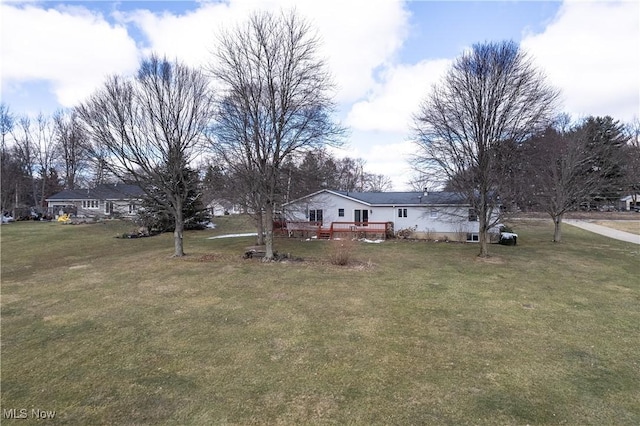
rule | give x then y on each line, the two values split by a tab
70	47
73	49
357	36
393	101
391	159
384	152
591	51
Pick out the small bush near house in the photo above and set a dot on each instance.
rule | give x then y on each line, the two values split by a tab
406	232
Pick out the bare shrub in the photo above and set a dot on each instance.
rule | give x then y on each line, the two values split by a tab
460	233
429	234
406	232
341	252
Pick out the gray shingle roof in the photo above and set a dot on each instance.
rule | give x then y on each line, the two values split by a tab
406	198
118	191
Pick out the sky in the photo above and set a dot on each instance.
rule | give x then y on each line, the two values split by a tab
384	55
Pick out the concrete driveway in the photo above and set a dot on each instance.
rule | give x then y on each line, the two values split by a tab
603	230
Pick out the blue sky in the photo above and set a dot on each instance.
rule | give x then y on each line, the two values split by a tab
385	55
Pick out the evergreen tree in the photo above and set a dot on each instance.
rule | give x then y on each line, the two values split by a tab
157	218
606	141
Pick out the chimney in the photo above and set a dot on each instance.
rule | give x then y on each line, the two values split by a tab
425	192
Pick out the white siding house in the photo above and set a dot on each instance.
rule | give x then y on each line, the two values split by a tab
105	200
433	215
630	202
223	207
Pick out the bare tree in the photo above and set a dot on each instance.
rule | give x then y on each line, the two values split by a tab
422	182
25	152
555	163
152	126
491	95
377	183
351	174
7	121
46	151
276	102
72	143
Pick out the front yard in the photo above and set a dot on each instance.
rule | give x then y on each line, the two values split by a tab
112	331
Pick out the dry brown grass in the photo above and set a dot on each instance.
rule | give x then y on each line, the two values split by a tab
632	226
427	335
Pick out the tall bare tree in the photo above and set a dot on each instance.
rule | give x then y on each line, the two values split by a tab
491	95
25	152
276	102
72	144
46	152
152	126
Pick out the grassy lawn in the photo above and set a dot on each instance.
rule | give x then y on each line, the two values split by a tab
632	226
113	331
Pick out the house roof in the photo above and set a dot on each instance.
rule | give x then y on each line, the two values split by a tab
104	191
405	198
399	198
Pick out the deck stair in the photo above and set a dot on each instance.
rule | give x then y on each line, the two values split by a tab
324	234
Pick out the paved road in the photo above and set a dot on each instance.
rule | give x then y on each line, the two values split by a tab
603	230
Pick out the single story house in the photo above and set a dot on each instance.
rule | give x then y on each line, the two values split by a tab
630	202
431	215
105	200
221	207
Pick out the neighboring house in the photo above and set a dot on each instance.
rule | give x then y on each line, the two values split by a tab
630	202
433	215
223	207
105	200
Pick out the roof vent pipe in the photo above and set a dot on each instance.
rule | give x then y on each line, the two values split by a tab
425	192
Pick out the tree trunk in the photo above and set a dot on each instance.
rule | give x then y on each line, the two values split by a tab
557	228
484	244
178	232
260	229
269	232
482	233
43	187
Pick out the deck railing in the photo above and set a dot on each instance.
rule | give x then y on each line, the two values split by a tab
357	229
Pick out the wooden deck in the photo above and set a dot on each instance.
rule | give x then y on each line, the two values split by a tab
336	230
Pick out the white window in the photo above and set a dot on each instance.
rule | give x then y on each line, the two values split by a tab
340	212
472	237
433	214
90	204
132	208
315	215
402	212
473	215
